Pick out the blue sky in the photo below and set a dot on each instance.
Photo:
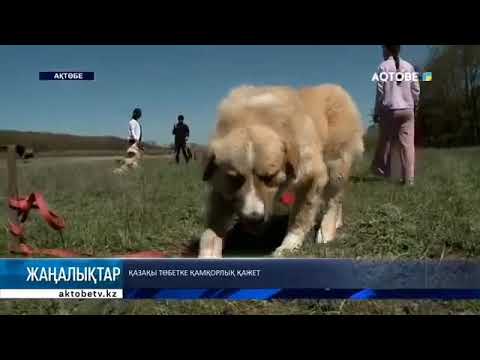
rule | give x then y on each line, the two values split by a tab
167	80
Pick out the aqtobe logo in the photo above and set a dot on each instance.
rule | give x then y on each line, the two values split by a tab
66	75
402	76
427	76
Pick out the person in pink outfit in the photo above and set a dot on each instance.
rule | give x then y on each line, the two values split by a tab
396	102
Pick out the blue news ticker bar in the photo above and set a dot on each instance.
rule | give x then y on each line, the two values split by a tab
300	274
290	294
248	278
66	75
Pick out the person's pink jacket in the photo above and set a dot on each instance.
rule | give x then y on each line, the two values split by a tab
390	95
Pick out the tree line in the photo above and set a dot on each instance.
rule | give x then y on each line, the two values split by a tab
449	111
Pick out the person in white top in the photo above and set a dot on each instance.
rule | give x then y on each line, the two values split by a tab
134	128
135	149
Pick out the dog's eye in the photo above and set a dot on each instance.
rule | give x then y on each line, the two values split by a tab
235	179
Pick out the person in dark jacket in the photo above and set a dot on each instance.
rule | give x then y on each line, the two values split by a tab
181	133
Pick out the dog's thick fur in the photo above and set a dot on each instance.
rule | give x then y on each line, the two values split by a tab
269	139
131	161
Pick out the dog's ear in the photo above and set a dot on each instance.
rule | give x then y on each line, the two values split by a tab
209	167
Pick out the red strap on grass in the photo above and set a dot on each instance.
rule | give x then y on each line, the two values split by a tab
28	251
16	230
37	201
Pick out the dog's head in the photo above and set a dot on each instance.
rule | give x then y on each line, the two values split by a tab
250	167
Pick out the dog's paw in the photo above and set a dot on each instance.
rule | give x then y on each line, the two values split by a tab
291	242
209	257
339	223
210	246
319	238
324	237
279	252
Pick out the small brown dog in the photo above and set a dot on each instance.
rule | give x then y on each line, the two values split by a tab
269	139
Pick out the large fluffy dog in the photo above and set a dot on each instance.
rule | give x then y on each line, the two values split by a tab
269	139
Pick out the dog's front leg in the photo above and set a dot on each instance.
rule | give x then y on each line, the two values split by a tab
211	245
219	220
332	220
339	172
304	213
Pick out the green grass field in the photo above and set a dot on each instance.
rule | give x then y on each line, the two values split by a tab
160	207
